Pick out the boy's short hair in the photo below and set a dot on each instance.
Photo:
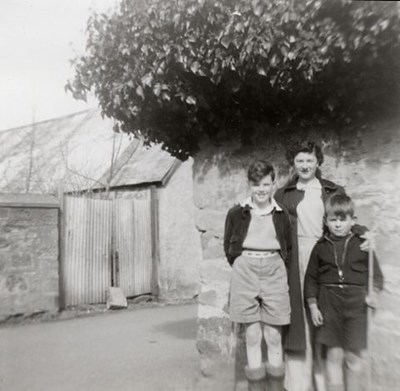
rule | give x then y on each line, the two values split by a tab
304	146
260	169
339	205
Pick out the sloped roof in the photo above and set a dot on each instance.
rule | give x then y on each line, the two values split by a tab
80	151
139	164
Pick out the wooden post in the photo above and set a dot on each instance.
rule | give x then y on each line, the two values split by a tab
369	315
155	242
61	246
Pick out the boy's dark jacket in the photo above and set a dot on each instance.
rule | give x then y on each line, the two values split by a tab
237	224
290	196
322	268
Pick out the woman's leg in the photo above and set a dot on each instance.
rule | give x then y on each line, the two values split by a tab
318	367
334	367
353	365
299	367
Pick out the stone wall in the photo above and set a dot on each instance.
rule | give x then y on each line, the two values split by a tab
29	247
366	160
180	247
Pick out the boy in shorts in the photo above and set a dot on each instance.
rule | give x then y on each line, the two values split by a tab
257	245
335	289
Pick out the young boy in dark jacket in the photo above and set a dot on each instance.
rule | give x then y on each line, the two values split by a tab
335	289
257	245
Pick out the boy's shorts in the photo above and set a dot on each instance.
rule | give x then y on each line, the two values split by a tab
345	317
259	290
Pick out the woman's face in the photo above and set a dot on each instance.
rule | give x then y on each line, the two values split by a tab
305	166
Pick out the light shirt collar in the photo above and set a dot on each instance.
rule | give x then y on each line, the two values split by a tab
313	184
261	212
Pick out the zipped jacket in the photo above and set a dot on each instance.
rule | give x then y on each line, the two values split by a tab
325	267
290	197
237	224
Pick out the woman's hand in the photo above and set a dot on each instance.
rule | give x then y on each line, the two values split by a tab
316	315
372	300
368	243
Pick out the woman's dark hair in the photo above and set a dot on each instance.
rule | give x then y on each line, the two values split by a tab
259	169
304	146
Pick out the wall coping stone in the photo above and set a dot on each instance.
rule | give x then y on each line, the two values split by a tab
29	201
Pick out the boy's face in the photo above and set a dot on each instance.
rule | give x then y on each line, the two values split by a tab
261	192
339	225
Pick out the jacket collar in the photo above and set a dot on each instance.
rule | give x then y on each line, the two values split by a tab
327	185
354	233
328	239
248	204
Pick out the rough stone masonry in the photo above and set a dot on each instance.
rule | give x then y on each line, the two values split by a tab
366	160
29	277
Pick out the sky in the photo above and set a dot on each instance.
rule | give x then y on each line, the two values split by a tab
38	38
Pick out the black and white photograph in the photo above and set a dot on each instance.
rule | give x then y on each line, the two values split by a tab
199	195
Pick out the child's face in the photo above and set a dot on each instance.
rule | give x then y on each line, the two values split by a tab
261	192
339	225
305	165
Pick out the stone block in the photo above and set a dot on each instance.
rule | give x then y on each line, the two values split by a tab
4	243
16	283
46	302
208	298
208	220
116	299
212	246
22	260
50	284
2	264
4	213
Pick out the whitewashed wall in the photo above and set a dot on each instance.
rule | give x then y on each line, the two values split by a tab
366	160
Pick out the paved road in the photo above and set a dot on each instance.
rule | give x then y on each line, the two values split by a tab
147	349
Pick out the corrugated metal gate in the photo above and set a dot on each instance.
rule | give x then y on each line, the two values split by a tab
106	242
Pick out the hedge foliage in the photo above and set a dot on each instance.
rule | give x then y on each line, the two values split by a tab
179	71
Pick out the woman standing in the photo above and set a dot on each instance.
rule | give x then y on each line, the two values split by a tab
304	197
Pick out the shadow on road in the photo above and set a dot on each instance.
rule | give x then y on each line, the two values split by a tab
182	329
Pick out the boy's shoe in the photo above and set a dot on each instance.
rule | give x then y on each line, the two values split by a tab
275	376
255	378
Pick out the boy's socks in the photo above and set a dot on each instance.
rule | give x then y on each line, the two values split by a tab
275	376
255	378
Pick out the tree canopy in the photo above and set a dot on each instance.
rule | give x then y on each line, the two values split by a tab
179	71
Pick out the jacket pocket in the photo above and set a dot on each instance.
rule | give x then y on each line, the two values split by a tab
234	246
233	239
359	266
323	269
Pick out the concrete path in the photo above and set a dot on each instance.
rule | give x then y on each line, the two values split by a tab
147	349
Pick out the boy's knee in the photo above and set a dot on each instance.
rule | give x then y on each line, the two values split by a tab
253	334
273	337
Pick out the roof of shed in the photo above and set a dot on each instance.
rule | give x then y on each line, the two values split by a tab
140	165
80	151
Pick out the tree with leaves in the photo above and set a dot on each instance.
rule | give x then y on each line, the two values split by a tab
179	72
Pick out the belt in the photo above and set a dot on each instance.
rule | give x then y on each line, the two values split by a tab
259	253
343	286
